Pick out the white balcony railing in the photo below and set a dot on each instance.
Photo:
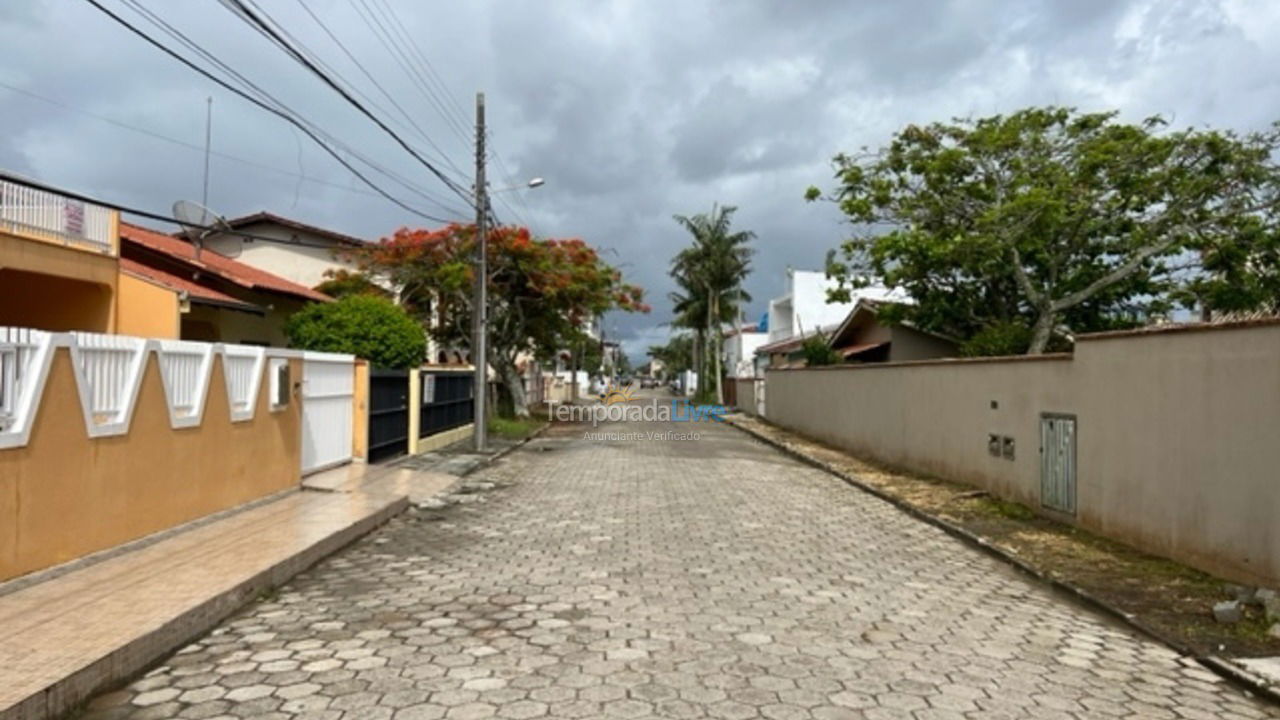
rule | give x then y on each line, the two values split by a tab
55	218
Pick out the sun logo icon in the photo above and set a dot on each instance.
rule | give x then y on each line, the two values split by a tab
617	394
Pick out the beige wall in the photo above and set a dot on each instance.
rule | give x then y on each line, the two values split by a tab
746	397
64	495
146	310
302	264
909	344
1175	433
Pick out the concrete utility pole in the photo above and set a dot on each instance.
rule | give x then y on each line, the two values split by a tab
479	310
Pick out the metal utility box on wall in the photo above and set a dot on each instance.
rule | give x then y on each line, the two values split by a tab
1058	462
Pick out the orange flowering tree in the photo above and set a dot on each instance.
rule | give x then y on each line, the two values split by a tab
541	291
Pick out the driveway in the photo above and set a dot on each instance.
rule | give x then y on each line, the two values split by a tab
642	578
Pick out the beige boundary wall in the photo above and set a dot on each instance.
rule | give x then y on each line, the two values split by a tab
1177	432
747	401
65	494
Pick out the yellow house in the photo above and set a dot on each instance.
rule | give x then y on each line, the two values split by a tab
59	261
68	265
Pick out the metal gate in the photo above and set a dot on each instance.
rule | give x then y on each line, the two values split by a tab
328	395
1058	462
447	401
388	413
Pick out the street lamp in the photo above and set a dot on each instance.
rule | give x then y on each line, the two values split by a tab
533	183
479	343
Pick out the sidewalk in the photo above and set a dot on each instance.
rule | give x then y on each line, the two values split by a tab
82	631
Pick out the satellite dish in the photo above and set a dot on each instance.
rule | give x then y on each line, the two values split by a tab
198	222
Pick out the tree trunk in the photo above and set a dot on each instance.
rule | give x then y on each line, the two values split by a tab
699	355
717	358
1042	332
510	378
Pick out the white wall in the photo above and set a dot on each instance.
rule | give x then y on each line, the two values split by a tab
301	264
809	306
739	353
805	308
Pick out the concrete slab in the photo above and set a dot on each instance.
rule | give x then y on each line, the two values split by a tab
83	631
1267	668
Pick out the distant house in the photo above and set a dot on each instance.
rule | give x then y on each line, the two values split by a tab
804	307
740	345
215	298
863	338
787	352
297	252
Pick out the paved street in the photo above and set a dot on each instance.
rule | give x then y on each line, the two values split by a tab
675	579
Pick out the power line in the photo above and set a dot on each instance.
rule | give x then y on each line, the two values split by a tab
288	48
265	102
183	143
222	230
387	94
460	114
413	51
401	57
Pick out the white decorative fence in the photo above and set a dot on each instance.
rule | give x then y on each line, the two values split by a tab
109	371
185	368
28	210
108	374
25	355
242	367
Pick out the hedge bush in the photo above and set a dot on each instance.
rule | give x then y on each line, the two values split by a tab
373	328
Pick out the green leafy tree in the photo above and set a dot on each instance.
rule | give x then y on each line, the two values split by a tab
710	273
370	327
676	356
1014	229
817	351
341	283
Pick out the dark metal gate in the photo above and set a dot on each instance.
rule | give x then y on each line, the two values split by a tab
388	413
447	401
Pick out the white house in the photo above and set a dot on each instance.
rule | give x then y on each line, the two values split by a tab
297	251
740	345
805	305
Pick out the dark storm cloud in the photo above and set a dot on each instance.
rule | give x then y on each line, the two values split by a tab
633	111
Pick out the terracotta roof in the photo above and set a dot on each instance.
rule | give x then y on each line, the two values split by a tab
794	341
194	291
215	263
271	218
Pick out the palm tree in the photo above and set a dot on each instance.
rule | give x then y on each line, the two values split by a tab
711	272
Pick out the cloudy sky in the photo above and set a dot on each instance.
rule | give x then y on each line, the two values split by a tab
632	111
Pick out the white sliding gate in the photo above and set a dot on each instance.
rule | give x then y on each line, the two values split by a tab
328	394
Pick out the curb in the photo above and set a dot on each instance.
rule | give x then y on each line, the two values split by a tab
508	450
1220	666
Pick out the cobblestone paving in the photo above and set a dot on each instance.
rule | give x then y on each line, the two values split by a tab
700	579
